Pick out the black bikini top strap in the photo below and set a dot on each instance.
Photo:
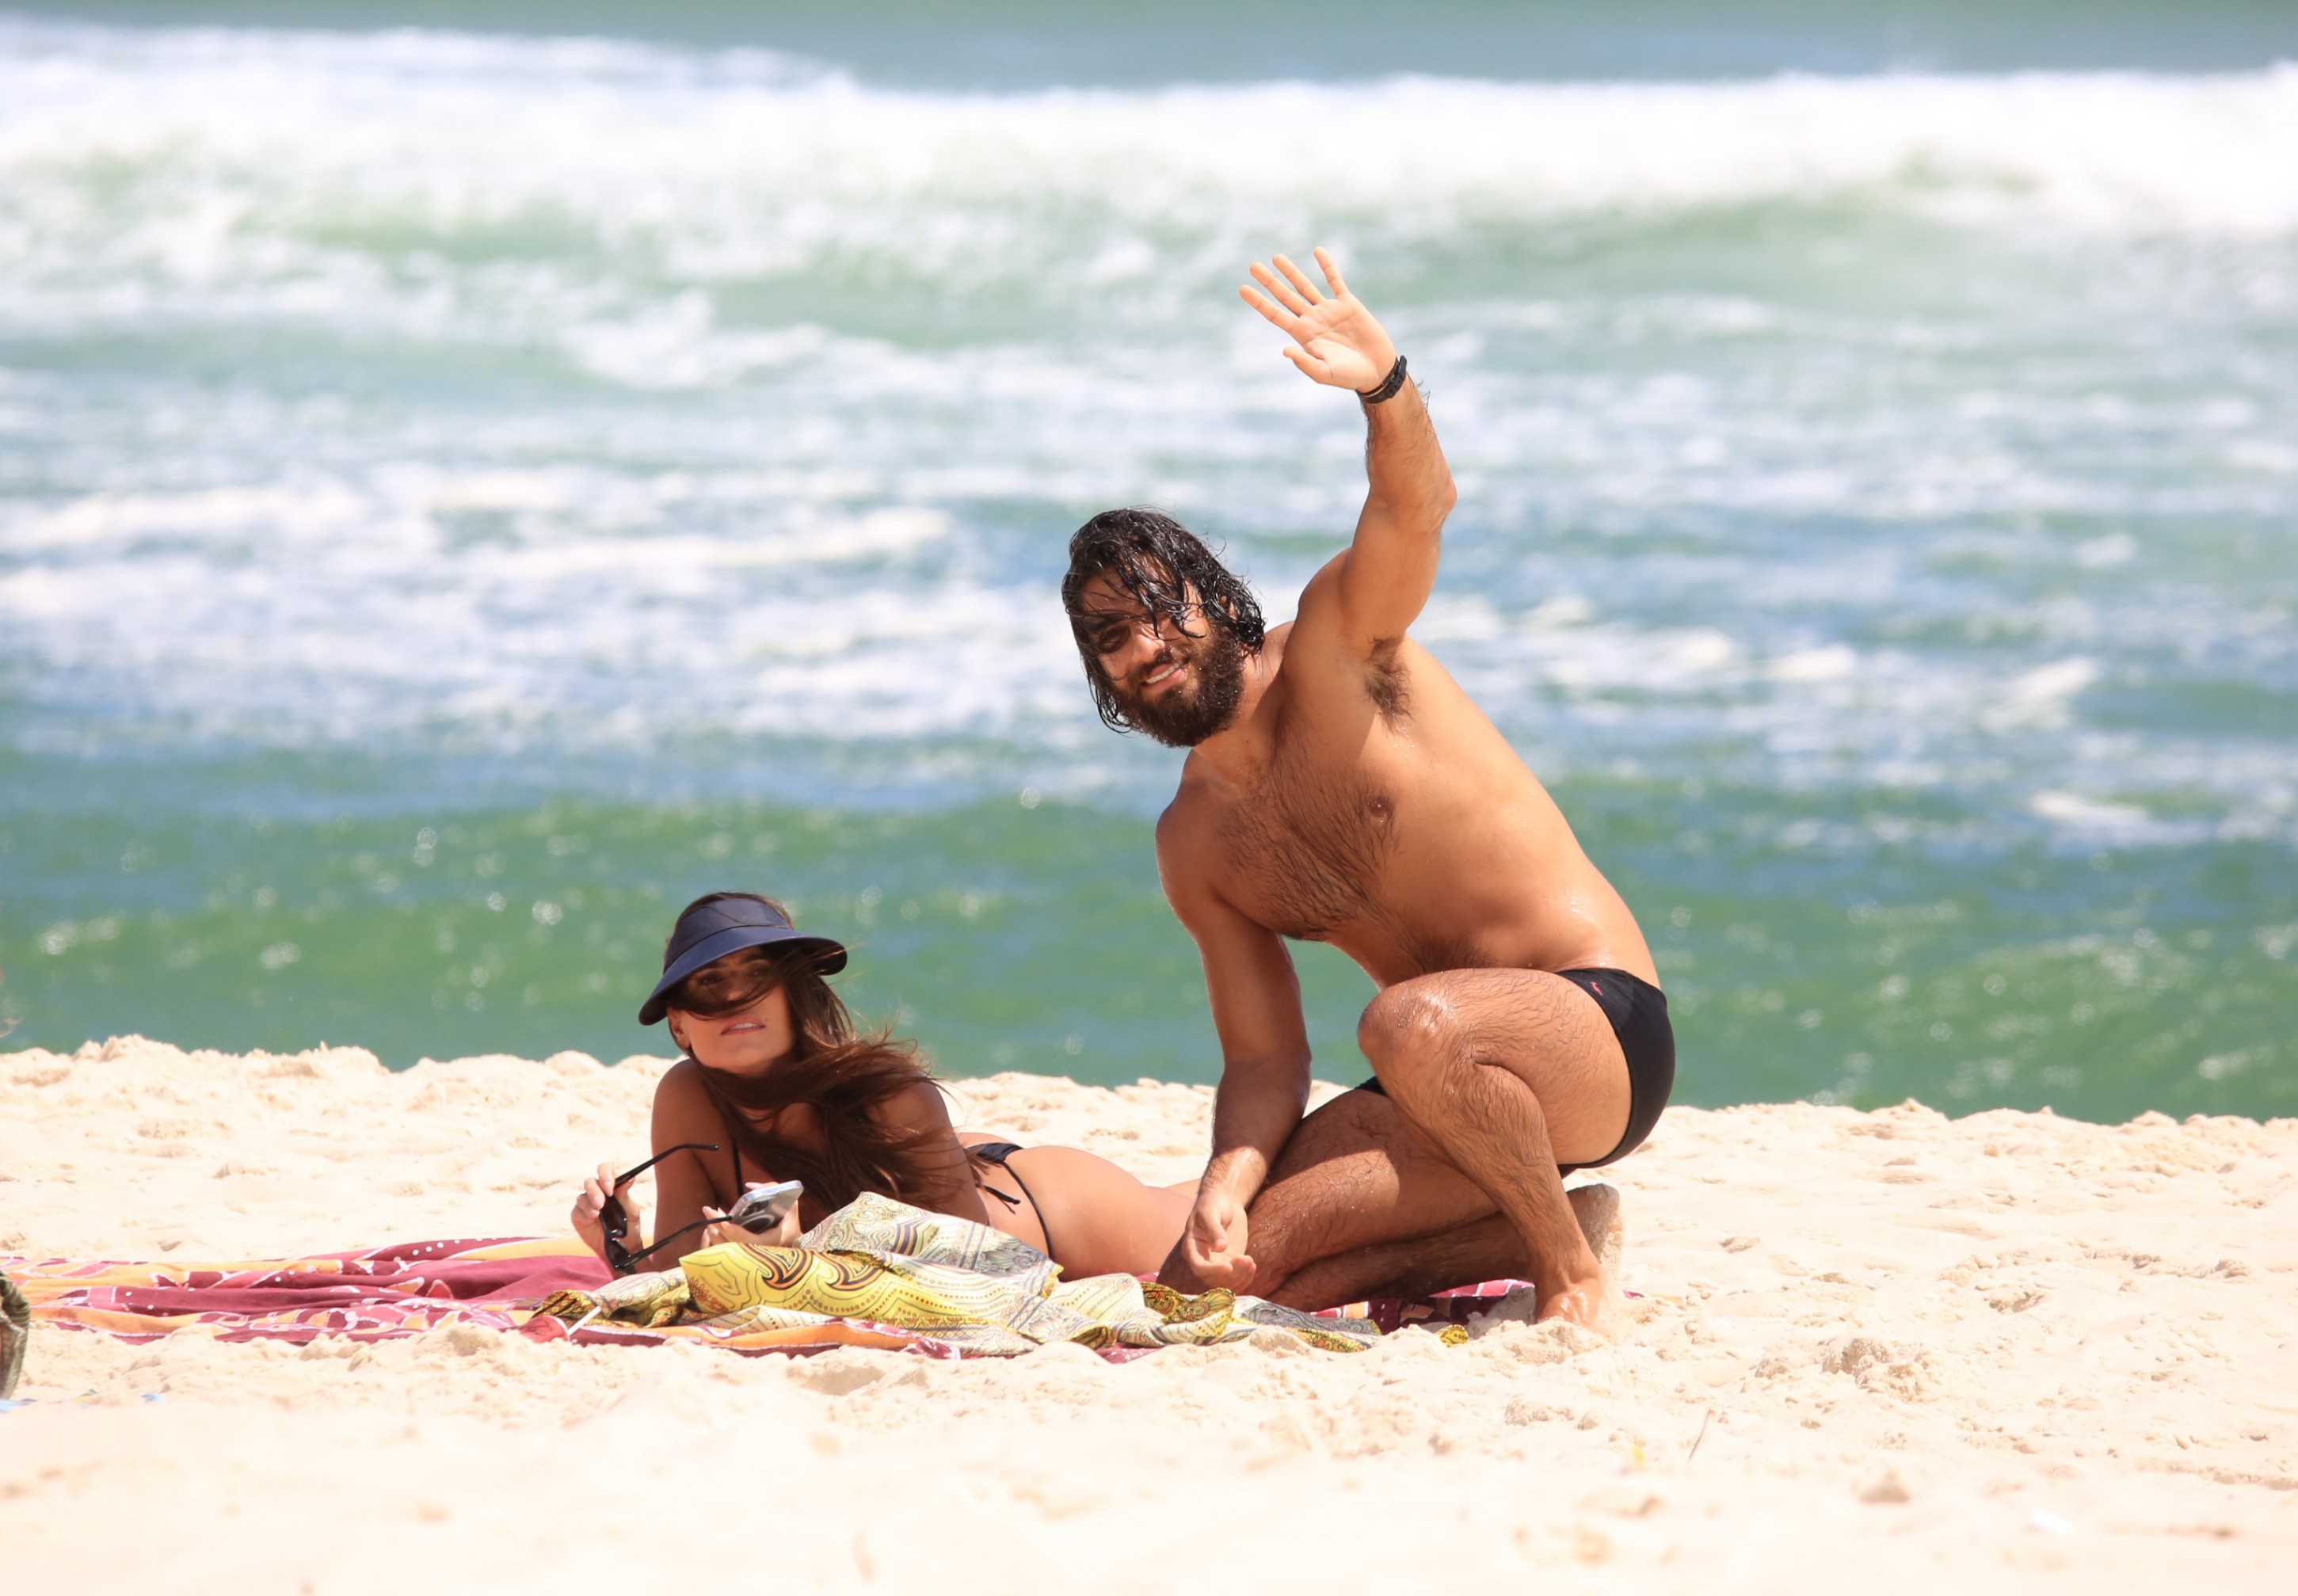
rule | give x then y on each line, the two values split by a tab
733	1152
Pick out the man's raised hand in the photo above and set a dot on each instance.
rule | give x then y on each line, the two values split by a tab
1335	340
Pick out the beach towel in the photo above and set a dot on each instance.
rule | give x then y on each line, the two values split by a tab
875	1274
1444	1311
407	1289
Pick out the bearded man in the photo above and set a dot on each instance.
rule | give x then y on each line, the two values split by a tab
1341	788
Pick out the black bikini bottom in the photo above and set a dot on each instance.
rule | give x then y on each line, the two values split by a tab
998	1153
1638	1012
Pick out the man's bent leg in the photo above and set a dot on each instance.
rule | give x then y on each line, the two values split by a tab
1361	1204
1504	1074
1351	1174
1486	1248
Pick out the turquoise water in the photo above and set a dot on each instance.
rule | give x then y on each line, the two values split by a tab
463	494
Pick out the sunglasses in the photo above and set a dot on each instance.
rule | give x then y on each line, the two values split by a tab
727	986
615	1220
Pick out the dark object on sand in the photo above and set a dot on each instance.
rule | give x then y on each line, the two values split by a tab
15	1334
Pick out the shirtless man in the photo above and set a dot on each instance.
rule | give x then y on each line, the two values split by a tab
1341	788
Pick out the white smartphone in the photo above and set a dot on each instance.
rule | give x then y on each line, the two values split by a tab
762	1207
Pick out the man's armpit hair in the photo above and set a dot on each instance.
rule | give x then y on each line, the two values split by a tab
1384	680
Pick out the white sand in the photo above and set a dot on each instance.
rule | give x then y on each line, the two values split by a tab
1907	1351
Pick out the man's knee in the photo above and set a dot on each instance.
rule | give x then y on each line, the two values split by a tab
1407	1027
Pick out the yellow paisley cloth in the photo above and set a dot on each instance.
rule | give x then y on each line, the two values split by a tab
973	1288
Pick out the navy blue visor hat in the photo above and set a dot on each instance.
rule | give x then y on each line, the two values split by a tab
707	932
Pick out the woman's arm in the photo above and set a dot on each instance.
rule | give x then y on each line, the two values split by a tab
691	1186
683	1185
688	1187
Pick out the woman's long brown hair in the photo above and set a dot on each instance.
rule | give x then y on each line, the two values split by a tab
838	1073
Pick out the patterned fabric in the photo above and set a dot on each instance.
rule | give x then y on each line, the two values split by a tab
961	1286
381	1292
874	1274
1444	1312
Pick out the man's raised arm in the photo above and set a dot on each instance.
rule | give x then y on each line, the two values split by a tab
1386	576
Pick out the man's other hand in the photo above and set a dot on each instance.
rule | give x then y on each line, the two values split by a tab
1212	1247
1335	340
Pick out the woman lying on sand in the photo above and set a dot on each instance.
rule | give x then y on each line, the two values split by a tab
776	1076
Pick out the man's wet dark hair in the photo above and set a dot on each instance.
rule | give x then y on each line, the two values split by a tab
1156	560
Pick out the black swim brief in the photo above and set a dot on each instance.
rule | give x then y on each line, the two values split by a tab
1638	1012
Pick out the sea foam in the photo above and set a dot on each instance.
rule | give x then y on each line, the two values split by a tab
197	162
396	390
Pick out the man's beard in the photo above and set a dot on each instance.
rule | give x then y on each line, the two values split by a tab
1182	719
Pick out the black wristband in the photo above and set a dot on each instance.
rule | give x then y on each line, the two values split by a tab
1390	385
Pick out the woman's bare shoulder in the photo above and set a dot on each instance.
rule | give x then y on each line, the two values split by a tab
916	1107
682	1102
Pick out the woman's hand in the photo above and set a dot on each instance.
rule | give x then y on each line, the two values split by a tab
721	1231
588	1207
784	1232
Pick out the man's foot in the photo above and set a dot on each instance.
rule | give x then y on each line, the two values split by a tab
1593	1302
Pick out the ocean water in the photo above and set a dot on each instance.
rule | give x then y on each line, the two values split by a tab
462	493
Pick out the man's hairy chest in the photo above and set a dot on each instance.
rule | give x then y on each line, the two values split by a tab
1304	847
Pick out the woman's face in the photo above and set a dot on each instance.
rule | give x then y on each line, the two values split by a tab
748	1040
